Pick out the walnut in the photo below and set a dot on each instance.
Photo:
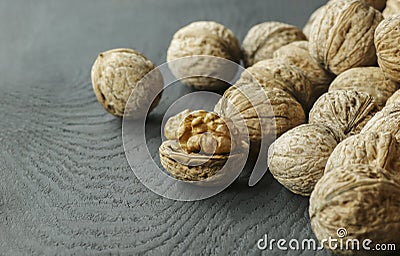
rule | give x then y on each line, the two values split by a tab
370	148
204	144
392	8
117	74
370	80
203	38
344	112
297	159
394	99
263	39
363	199
307	28
297	54
386	120
173	123
343	35
387	36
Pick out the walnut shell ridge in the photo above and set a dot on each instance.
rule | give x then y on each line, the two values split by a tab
344	34
297	159
263	39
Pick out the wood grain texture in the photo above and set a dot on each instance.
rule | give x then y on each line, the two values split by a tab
65	185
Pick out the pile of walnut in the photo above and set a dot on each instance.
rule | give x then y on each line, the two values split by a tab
340	74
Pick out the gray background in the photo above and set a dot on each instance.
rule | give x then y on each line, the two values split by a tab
65	184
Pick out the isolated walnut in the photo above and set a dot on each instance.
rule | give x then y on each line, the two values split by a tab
392	8
370	148
394	99
343	35
356	202
386	120
298	55
118	73
203	38
370	80
263	39
387	36
172	125
297	159
344	112
307	28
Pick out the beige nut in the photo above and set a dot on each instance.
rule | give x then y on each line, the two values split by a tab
344	112
395	98
297	159
356	202
172	125
387	36
386	120
116	74
343	35
203	38
263	39
370	148
392	8
297	54
370	80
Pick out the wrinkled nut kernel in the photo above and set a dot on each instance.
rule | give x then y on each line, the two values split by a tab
394	99
392	8
363	199
203	38
173	123
387	36
297	159
297	54
263	39
343	35
370	80
116	74
307	28
387	121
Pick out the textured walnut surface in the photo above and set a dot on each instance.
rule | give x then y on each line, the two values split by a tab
343	35
345	112
263	39
172	125
387	36
307	28
297	159
370	80
115	75
392	8
298	55
395	98
365	200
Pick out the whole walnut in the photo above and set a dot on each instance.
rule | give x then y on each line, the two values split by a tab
263	39
395	98
297	54
297	159
392	8
356	202
369	148
119	73
387	36
344	112
370	80
343	35
203	38
307	28
386	120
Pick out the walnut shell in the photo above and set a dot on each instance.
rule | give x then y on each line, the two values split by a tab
307	28
172	125
394	99
370	80
297	159
344	112
297	54
375	149
386	120
392	8
364	200
116	75
344	34
263	39
387	36
203	38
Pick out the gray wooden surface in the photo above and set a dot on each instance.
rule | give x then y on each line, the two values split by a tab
65	185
